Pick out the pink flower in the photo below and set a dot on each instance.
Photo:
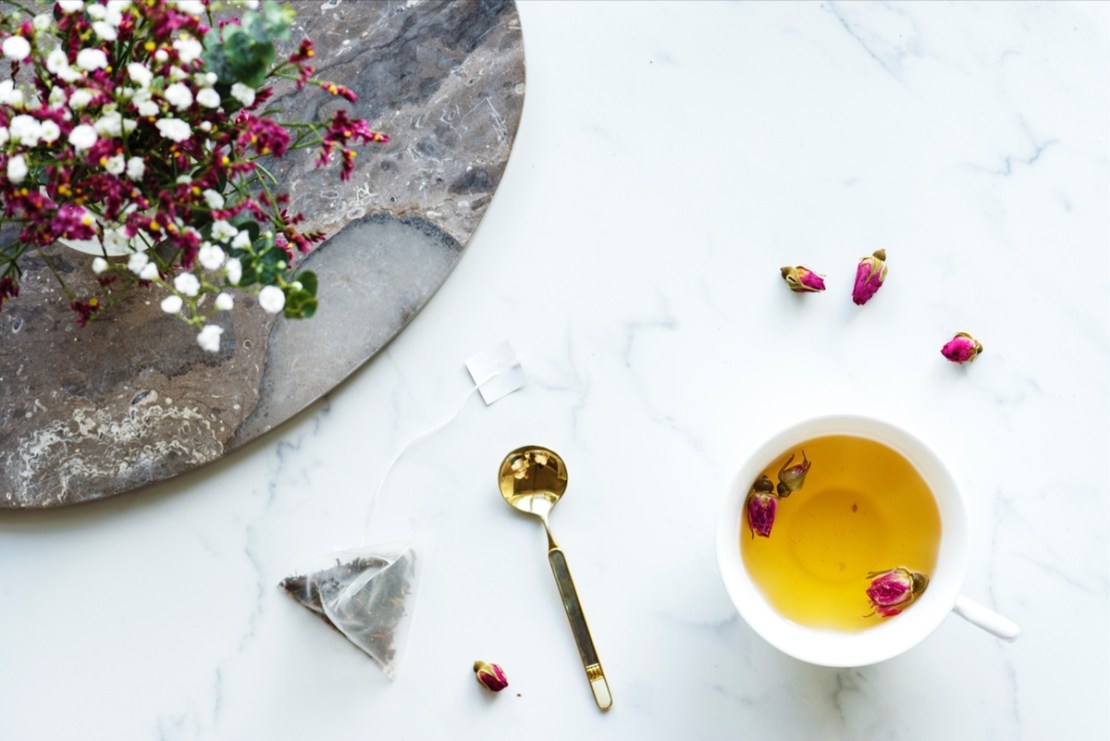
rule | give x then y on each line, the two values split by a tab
870	275
892	591
490	676
761	506
963	348
802	280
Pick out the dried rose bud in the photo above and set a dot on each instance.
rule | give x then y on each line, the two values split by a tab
892	591
791	478
963	348
761	506
870	275
490	676
802	280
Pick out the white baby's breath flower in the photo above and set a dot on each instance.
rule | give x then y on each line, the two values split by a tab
206	126
183	180
109	125
136	168
49	131
179	96
104	30
176	74
140	74
58	64
80	98
187	283
213	199
25	130
161	55
188	49
190	7
208	97
224	302
71	6
4	135
17	169
148	109
172	304
149	271
116	240
137	262
10	94
96	11
42	22
82	137
271	299
174	128
99	265
243	93
116	164
129	125
16	48
115	11
205	79
57	96
210	256
234	270
242	240
223	231
90	59
209	338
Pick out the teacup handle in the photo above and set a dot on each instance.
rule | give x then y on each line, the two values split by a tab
987	619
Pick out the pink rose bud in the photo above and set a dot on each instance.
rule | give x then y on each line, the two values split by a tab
761	506
490	676
802	280
870	275
963	348
791	478
892	591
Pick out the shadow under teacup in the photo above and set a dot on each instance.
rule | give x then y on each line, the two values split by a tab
883	638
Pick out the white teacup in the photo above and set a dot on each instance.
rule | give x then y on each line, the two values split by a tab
891	637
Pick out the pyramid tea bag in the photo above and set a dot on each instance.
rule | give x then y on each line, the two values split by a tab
366	594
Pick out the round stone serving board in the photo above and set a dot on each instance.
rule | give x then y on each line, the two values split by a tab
132	399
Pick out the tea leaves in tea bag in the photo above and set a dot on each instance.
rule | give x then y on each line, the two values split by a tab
366	597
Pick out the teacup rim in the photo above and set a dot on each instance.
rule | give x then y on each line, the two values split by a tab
841	648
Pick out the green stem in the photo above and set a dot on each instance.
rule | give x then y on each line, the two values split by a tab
70	294
21	6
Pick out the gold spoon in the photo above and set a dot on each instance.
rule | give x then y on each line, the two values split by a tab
533	479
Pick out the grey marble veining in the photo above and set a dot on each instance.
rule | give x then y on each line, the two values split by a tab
131	399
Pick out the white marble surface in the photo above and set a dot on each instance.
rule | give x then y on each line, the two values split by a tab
672	157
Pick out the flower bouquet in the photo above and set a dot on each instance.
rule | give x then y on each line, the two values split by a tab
137	131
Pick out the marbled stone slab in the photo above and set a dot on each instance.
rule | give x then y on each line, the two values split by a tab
131	399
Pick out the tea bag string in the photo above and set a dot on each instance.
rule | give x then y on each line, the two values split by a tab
495	373
401	453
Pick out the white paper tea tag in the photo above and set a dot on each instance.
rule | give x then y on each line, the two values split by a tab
497	372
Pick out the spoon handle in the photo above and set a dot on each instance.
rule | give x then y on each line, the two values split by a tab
594	673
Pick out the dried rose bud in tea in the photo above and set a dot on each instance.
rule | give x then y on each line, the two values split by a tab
802	280
892	591
870	274
792	478
963	348
490	676
761	506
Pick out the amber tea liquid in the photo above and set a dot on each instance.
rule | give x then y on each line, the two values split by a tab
863	508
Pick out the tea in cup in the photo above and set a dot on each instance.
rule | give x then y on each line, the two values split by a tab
843	541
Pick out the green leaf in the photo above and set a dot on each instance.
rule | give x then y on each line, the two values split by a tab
249	58
309	281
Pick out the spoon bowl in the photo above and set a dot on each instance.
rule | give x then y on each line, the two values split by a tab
533	480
